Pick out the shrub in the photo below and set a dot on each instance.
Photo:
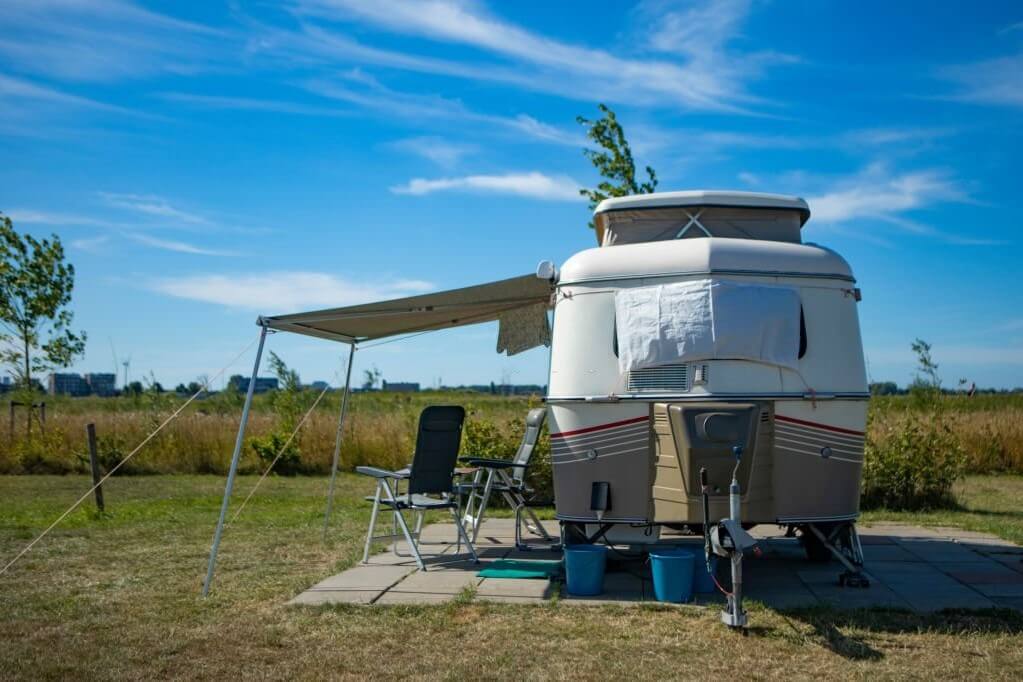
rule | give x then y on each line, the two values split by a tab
483	438
913	463
267	448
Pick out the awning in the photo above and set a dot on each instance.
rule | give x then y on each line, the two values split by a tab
441	310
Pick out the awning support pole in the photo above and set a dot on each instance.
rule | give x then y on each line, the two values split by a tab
337	442
234	462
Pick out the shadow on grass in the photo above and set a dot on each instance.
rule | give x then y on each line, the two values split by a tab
846	632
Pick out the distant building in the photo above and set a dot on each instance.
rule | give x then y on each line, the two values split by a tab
5	384
401	386
68	384
241	384
319	385
102	384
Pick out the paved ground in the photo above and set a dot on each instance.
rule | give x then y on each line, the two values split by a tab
920	569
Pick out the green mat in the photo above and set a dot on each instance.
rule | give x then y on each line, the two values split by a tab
518	568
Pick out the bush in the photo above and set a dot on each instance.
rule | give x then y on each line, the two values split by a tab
483	438
913	463
267	447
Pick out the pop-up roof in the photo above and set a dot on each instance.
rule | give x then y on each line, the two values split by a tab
701	213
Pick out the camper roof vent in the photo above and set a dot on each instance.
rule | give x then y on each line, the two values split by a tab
664	379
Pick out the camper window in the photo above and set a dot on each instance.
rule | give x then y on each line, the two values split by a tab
802	334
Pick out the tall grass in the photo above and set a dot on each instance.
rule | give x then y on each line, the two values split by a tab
379	431
381	427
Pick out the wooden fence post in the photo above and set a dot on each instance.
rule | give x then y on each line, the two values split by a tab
94	463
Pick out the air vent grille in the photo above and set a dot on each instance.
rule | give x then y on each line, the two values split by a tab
665	379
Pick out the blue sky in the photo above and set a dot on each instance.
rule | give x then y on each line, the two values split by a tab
208	162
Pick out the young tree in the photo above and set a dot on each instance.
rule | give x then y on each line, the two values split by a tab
613	160
35	291
370	378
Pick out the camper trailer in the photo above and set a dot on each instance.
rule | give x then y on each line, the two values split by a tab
699	323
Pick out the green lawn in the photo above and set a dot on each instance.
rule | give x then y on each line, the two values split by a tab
117	596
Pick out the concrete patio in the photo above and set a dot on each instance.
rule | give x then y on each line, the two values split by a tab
914	568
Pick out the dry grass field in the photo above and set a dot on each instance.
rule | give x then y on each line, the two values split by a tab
116	596
380	429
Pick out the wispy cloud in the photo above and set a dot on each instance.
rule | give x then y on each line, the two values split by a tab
533	185
286	291
177	246
20	89
877	193
709	78
101	40
251	104
151	205
994	81
442	152
55	219
90	244
360	89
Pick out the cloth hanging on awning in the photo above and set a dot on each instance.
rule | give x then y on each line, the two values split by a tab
707	319
454	308
523	328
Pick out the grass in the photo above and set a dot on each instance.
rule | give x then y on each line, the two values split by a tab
989	504
116	596
380	429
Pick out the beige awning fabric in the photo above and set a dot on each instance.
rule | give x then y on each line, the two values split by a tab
454	308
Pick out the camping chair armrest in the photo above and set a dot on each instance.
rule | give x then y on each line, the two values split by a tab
489	463
380	473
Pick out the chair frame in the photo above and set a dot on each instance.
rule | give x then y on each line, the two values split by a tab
389	496
498	477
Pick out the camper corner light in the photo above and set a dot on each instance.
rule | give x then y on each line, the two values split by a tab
546	270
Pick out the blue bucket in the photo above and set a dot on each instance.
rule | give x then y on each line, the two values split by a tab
673	574
584	569
703	580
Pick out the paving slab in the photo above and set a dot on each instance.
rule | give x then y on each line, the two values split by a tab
364	577
923	569
516	589
940	550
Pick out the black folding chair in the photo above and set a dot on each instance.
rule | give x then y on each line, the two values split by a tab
507	477
431	473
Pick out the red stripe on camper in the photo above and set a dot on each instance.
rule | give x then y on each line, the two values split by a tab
826	427
600	427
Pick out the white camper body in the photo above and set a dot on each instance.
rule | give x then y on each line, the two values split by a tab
757	344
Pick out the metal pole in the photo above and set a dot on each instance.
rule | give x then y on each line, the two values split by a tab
337	442
234	463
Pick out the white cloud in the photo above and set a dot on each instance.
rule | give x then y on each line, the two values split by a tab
151	205
177	246
710	78
100	40
534	185
747	178
90	244
286	291
436	149
876	193
34	217
995	81
250	104
364	91
15	88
